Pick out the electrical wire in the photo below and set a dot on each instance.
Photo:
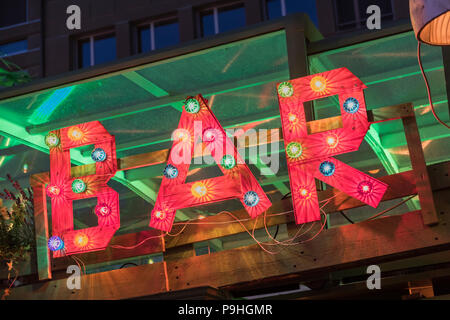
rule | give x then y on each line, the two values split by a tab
345	216
428	87
391	208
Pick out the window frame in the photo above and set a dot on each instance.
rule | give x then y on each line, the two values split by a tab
151	25
358	19
16	52
91	37
27	18
215	9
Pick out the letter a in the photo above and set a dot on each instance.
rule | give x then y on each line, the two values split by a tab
198	123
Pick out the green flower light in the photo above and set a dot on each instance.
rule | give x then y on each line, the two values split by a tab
78	186
192	105
294	150
228	162
285	89
52	140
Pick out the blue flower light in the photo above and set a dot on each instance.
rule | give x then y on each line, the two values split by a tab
98	155
351	105
251	198
55	243
170	171
327	168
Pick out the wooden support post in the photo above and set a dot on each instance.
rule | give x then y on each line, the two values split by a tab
419	167
41	229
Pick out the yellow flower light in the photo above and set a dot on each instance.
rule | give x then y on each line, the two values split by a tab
199	190
75	134
318	84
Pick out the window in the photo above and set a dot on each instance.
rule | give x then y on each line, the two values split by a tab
352	14
13	12
158	34
221	19
12	48
96	50
279	8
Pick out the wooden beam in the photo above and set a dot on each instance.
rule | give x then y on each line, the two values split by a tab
369	242
419	167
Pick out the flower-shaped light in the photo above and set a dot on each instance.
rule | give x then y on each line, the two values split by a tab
199	189
81	240
192	105
304	193
55	243
285	89
102	210
170	171
75	134
52	140
351	105
327	168
318	84
78	186
332	140
365	188
228	162
98	155
53	191
294	150
251	198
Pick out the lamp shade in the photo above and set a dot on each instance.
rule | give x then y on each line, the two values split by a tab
431	21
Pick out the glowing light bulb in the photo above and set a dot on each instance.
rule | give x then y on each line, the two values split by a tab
318	84
181	135
25	168
210	134
327	168
160	214
365	188
294	150
292	118
102	210
81	240
304	193
285	89
53	191
228	162
75	134
170	171
55	243
332	141
198	189
98	155
52	140
78	186
192	106
201	217
251	198
351	105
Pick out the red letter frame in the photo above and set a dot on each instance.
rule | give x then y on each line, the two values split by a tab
64	189
237	180
309	156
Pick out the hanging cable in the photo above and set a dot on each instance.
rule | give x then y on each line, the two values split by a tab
428	87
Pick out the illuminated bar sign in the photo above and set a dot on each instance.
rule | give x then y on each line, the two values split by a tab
309	157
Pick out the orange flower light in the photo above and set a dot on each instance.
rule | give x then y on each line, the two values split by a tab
75	134
81	240
332	141
319	84
304	193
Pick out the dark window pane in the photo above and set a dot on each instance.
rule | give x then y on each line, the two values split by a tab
385	6
231	18
207	23
84	53
144	40
273	9
345	11
104	49
166	34
306	6
12	12
13	47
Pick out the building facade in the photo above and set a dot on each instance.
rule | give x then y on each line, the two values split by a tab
34	34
